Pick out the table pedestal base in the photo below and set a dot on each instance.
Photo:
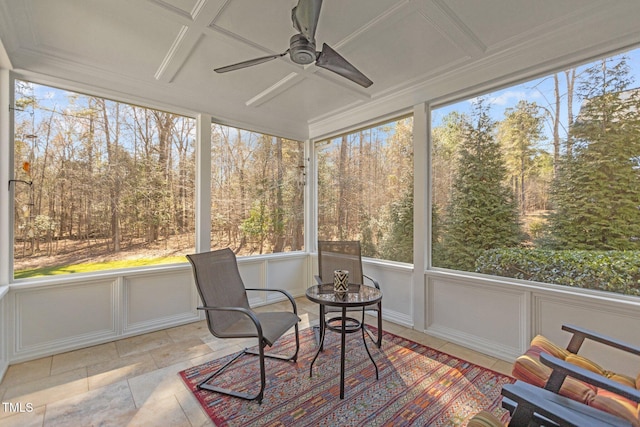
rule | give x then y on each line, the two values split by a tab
344	328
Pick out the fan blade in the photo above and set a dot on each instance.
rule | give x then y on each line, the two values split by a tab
249	63
305	17
332	61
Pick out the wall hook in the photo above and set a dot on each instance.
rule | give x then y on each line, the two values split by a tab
26	166
20	180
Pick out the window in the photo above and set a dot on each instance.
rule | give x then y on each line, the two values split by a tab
257	192
541	181
112	183
365	189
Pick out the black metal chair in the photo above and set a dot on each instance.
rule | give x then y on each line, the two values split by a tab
345	255
229	316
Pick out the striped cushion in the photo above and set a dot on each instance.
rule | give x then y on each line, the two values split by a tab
622	379
528	368
484	419
616	405
585	363
549	347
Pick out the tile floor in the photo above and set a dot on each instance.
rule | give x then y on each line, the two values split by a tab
135	382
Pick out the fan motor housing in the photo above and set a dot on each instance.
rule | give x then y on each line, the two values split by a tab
302	50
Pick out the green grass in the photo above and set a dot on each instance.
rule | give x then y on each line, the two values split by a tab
94	266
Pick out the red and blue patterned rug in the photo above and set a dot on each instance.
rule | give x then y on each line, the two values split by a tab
417	386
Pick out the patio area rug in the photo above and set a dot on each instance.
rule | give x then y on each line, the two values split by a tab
417	386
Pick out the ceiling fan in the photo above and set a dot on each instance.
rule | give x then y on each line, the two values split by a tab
302	47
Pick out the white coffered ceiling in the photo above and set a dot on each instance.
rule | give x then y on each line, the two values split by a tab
163	52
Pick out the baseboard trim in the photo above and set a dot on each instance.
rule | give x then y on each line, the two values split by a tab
491	348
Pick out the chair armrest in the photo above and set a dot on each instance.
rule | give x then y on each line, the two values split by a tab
374	281
242	310
539	406
561	369
579	335
283	292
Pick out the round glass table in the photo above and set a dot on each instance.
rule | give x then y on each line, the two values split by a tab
357	296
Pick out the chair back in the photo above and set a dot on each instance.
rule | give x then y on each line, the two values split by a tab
219	284
340	255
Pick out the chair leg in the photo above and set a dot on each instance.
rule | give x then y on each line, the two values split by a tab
204	384
319	330
263	378
295	356
377	340
379	343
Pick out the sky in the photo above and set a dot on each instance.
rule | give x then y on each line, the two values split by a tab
538	90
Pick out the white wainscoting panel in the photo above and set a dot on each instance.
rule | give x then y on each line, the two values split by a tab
617	319
490	318
51	319
253	273
289	274
54	315
286	272
396	283
154	301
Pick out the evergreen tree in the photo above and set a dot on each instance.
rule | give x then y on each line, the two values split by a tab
367	242
597	192
398	242
482	213
446	139
520	133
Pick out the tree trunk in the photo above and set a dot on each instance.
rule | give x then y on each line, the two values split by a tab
342	190
556	126
571	78
278	220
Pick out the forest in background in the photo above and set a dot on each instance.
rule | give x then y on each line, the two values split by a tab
510	198
113	181
365	189
107	177
504	205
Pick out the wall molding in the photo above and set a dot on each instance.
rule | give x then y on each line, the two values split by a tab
394	316
122	300
491	348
